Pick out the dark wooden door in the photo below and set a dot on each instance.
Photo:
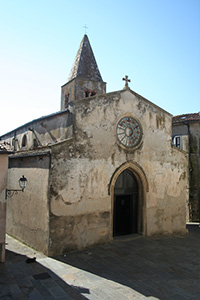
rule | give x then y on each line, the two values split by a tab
125	205
125	215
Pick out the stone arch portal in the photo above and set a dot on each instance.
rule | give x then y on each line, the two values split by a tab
128	188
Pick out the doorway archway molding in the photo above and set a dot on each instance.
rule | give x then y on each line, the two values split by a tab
141	178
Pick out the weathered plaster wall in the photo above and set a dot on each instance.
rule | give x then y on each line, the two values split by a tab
28	211
74	90
68	90
4	171
81	208
168	194
195	171
2	219
189	131
3	183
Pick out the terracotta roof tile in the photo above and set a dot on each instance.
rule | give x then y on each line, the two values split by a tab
186	117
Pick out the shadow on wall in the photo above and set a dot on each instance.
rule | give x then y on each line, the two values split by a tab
26	278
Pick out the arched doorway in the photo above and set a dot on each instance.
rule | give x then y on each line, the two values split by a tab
125	210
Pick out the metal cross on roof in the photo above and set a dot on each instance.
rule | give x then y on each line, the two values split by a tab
127	80
85	28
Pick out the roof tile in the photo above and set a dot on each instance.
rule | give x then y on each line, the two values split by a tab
186	117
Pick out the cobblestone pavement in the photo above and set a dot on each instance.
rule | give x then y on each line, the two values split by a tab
130	267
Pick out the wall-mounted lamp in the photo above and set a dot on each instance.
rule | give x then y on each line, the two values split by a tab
22	184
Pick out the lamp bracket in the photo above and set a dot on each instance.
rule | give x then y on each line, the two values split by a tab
11	192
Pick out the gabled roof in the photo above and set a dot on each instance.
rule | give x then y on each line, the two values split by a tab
85	64
186	117
35	121
124	91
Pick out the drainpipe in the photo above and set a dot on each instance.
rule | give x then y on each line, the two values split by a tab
199	205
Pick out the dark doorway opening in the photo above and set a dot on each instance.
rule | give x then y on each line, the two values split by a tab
125	216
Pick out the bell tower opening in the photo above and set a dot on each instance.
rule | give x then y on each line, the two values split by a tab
125	214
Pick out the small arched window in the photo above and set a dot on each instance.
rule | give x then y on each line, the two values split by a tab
93	93
24	141
87	93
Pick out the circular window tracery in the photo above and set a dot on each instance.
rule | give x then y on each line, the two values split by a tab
129	132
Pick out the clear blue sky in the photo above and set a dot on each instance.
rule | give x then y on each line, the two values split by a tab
155	42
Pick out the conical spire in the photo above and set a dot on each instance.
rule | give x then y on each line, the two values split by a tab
85	64
85	79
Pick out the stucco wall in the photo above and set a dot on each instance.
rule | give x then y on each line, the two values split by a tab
189	131
3	183
195	171
75	89
80	205
28	211
4	171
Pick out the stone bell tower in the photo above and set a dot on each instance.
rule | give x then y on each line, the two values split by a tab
85	79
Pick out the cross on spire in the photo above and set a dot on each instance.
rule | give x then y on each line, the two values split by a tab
127	80
85	28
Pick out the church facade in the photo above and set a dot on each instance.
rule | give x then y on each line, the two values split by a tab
104	166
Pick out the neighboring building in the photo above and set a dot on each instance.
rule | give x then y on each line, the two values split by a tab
3	183
103	166
186	136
